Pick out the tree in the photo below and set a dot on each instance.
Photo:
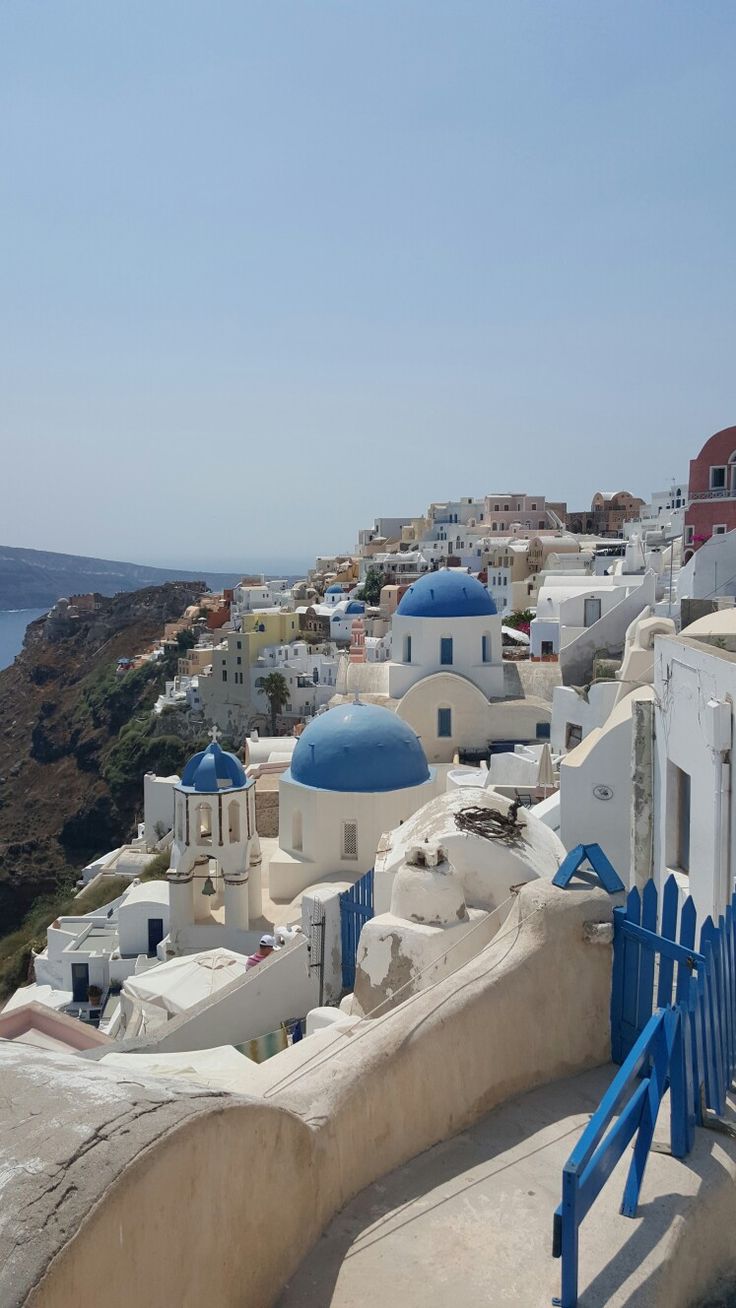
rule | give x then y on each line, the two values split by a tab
371	589
277	693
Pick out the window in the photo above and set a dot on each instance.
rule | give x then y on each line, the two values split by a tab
239	659
573	735
233	821
534	508
720	530
678	818
717	478
296	831
350	839
485	652
240	646
496	507
547	647
204	823
592	612
407	649
444	722
224	674
505	508
543	729
689	535
446	651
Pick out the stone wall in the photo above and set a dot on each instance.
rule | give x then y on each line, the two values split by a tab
165	1195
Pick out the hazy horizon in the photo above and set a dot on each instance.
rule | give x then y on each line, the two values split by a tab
269	271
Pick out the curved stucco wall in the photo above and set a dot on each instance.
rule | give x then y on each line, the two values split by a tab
222	1208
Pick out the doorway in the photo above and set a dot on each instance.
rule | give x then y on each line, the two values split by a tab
155	934
80	982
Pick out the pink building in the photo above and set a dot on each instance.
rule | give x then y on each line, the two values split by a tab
711	509
501	510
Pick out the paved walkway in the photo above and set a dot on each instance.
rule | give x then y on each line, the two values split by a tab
468	1224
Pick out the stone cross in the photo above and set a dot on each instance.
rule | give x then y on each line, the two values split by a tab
215	733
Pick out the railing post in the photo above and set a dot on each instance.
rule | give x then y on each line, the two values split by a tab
569	1296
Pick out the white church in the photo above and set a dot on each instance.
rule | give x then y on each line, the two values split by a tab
446	677
358	770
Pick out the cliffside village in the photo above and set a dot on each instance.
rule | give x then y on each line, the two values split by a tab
410	752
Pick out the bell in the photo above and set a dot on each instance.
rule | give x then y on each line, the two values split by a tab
208	887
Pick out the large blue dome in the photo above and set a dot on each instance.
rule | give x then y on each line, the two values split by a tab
446	594
359	748
213	770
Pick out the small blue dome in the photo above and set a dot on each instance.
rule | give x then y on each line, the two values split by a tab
359	748
213	770
446	594
355	606
334	590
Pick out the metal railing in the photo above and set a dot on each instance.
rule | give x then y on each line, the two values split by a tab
720	493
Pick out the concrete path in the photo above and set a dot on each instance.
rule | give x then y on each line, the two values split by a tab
469	1223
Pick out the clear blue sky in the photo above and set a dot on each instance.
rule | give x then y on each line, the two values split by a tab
270	269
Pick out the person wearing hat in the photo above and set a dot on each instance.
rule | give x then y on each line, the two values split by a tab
266	947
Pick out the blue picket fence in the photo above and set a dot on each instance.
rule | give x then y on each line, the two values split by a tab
356	907
673	1027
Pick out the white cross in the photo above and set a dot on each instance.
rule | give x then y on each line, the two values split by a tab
215	733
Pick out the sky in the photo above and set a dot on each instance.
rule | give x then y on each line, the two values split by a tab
271	269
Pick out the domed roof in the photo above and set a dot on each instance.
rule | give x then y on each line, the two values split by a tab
334	590
355	606
358	748
212	770
446	594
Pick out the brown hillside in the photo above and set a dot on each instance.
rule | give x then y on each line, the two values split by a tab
75	740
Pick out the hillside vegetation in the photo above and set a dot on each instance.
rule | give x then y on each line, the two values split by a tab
75	741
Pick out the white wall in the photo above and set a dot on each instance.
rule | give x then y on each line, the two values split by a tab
133	922
158	806
467	636
687	677
280	988
323	813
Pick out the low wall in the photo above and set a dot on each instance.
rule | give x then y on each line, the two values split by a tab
222	1206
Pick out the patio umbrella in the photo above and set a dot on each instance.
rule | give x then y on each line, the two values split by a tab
546	771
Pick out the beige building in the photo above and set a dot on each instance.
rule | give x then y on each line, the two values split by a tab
226	692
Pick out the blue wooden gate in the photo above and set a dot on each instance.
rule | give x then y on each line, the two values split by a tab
673	1026
356	907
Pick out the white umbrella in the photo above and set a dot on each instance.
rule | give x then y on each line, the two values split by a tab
546	771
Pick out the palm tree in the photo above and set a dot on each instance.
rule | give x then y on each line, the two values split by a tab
277	693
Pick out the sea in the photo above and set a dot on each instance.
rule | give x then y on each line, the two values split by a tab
13	623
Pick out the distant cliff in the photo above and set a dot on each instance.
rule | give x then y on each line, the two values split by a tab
30	579
75	741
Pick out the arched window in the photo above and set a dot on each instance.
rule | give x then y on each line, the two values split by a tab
233	821
296	830
204	823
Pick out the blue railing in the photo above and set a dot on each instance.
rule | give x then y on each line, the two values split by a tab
686	1043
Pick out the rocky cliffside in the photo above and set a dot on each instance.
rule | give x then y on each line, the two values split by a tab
75	740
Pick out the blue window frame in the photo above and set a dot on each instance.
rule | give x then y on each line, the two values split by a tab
444	722
446	650
543	730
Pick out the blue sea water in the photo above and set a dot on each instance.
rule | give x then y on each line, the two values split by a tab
13	623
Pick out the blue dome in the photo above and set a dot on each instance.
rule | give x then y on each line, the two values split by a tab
334	590
358	748
446	594
213	770
355	606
